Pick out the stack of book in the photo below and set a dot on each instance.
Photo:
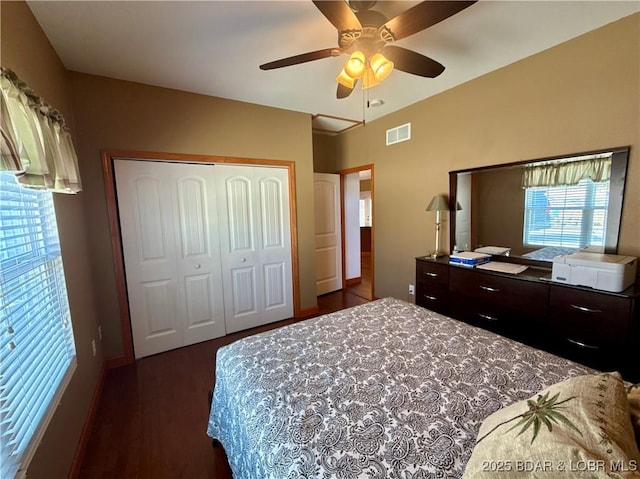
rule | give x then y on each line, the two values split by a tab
469	258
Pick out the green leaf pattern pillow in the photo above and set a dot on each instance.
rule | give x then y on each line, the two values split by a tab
579	428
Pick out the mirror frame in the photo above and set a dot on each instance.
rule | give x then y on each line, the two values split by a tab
619	161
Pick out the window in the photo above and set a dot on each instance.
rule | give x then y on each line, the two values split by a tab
37	351
365	208
573	216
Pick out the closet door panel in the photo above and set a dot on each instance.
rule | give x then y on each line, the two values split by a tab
255	245
275	286
271	206
239	212
148	241
244	292
275	247
274	242
169	233
198	265
159	315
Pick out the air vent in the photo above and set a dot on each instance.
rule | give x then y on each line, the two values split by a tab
398	134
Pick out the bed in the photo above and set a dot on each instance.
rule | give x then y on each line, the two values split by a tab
383	390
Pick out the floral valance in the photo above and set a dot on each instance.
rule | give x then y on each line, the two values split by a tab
35	142
560	173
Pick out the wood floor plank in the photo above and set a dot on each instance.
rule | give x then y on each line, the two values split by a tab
151	422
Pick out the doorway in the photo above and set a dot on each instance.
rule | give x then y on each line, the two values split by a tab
358	231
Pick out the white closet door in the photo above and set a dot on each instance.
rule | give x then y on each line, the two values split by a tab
328	238
255	245
168	219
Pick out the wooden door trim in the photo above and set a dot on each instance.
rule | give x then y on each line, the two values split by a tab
108	157
342	174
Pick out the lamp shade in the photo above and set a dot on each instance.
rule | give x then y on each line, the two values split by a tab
369	79
381	67
345	79
355	65
438	203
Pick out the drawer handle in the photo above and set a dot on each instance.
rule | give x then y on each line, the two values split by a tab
582	345
487	317
433	275
490	289
585	309
431	298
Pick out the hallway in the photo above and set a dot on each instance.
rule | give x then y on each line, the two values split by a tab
364	289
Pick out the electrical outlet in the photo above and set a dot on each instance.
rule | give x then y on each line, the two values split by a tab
100	332
93	346
412	289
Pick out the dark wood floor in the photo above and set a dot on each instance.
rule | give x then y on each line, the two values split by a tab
364	289
152	417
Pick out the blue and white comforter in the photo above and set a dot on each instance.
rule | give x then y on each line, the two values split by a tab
382	390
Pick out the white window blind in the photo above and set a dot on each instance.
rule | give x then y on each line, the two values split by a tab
573	216
37	351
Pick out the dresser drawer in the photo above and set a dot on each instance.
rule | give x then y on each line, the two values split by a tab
527	297
435	298
589	320
432	285
432	274
496	317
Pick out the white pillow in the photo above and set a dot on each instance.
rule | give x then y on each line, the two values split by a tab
577	428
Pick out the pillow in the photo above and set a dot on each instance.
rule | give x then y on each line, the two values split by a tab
633	394
576	428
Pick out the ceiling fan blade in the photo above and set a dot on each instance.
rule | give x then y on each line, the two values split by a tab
339	14
302	58
423	15
412	62
345	91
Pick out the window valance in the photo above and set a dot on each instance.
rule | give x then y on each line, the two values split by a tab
566	173
35	142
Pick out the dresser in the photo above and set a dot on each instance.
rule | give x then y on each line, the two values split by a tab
593	327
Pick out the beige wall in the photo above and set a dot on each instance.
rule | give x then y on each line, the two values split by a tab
26	50
324	153
579	96
114	114
498	190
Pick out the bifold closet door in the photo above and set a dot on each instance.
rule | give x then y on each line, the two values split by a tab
170	238
255	245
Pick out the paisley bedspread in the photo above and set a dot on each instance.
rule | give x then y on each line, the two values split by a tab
382	390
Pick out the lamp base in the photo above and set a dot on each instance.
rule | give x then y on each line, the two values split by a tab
436	254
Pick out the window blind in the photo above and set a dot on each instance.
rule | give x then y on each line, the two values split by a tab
37	351
569	216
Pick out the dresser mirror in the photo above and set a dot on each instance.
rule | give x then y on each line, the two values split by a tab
538	209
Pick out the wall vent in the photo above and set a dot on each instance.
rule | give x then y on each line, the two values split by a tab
398	134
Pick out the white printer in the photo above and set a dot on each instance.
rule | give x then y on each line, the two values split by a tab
608	272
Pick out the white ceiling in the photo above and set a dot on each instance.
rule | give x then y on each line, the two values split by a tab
215	47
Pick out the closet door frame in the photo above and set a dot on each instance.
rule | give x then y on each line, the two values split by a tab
108	157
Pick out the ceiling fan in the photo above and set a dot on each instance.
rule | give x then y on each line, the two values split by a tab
365	35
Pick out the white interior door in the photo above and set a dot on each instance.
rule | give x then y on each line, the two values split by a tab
168	219
328	232
255	245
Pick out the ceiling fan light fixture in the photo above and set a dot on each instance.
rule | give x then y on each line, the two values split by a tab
380	66
355	65
345	80
369	79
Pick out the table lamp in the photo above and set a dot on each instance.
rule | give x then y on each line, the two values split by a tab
438	203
